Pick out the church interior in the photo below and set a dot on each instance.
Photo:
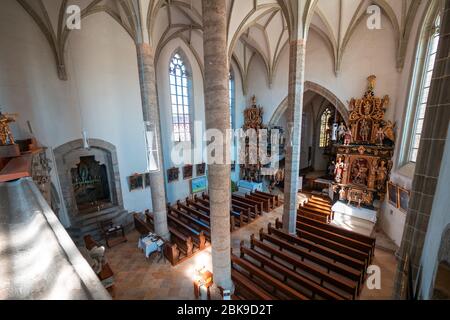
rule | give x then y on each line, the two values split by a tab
224	150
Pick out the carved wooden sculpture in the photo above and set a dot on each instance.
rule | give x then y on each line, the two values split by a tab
364	160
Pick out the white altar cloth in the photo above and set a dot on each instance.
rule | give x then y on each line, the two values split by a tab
361	213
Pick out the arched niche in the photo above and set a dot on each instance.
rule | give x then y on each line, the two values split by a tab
67	157
316	88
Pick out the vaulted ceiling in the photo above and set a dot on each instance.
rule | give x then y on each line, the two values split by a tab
256	27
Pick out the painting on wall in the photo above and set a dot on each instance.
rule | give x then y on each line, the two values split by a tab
187	172
173	174
199	184
392	194
403	199
147	180
136	182
201	169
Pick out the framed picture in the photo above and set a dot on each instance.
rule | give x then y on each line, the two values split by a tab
173	174
201	169
199	184
136	182
403	199
187	172
147	180
392	194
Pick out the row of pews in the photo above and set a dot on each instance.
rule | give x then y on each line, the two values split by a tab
316	208
190	224
321	262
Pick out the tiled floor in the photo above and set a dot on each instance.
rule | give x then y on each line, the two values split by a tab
139	279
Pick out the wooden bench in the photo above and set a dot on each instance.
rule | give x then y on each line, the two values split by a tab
251	290
260	204
337	238
280	289
319	257
194	223
348	286
318	217
347	233
271	201
197	236
266	202
288	274
275	198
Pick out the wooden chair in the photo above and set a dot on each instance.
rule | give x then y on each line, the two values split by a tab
113	235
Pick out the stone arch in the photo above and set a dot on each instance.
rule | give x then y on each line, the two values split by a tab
65	157
317	88
440	286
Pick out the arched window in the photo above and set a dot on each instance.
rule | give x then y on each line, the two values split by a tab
180	99
232	99
426	75
325	128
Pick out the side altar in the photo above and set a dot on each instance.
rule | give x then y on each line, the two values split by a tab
364	150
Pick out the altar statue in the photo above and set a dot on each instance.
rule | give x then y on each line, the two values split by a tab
339	170
6	137
365	130
348	137
342	129
380	136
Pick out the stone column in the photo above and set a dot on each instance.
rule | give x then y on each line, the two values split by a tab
295	108
428	163
150	109
218	117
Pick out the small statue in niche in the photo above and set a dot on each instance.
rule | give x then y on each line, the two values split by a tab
339	170
364	132
380	136
382	173
348	137
342	129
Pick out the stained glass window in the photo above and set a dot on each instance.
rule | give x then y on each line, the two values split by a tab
325	128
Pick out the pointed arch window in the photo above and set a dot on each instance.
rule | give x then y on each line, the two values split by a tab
232	98
427	73
325	128
180	99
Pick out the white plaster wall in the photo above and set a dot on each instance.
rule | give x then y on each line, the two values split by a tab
103	81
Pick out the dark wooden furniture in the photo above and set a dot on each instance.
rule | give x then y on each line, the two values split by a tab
113	235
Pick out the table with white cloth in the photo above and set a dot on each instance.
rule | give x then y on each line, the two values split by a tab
151	244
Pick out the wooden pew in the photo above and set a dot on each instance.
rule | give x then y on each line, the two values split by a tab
265	202
249	289
348	286
235	215
197	236
260	204
270	200
347	233
357	255
337	238
141	226
288	274
321	258
253	208
280	289
312	215
245	212
197	225
275	199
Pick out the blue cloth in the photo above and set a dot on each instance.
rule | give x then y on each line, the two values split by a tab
150	245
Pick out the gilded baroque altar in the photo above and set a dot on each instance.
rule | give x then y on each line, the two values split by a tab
365	150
